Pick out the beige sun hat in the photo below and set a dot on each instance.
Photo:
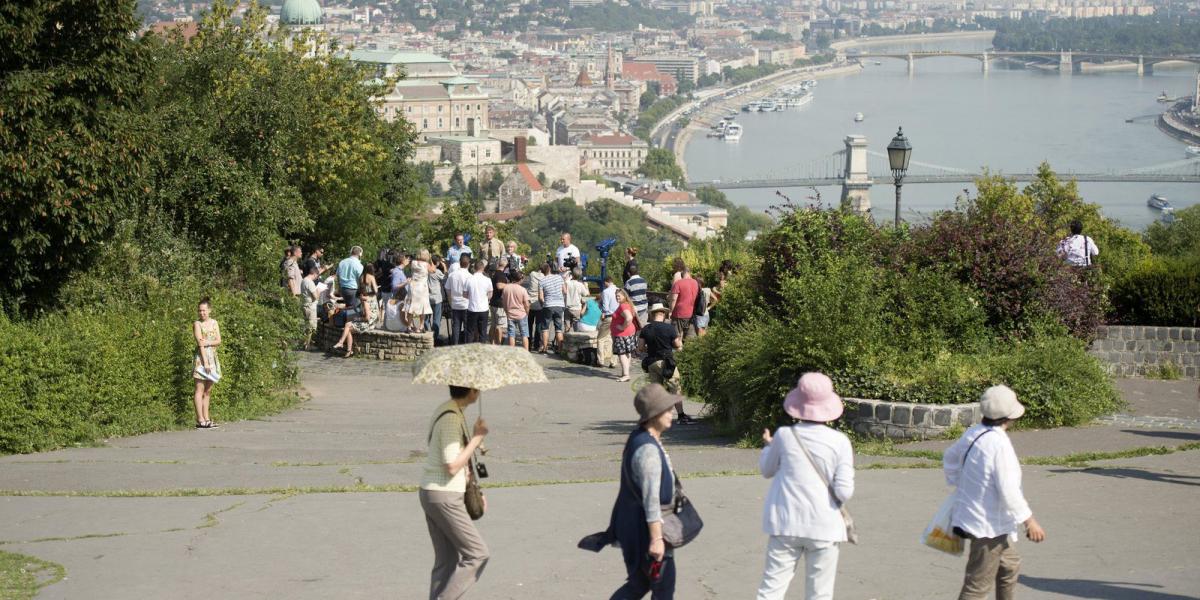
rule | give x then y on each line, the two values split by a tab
1000	402
658	307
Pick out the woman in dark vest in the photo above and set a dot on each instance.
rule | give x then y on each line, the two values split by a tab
647	484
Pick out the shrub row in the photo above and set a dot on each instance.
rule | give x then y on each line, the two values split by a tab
78	376
1159	291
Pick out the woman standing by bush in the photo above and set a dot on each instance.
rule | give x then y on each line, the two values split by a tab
801	513
206	369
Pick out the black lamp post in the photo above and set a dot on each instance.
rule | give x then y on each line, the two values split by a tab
899	153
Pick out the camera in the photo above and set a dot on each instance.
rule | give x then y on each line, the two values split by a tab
570	262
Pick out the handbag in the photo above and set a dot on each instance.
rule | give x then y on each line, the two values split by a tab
681	523
851	531
473	495
940	534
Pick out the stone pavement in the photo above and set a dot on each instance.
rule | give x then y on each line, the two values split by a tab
276	507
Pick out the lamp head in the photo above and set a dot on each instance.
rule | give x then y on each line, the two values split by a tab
899	153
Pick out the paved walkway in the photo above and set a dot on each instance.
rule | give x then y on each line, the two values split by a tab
313	503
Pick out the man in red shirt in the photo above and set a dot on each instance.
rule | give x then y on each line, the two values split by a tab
683	303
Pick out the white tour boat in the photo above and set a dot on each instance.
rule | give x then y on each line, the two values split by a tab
733	132
1159	201
858	117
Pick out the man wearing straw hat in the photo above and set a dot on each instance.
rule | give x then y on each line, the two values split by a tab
989	506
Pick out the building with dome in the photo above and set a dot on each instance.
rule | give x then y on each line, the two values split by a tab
301	13
303	17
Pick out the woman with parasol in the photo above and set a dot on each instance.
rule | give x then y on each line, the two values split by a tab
450	495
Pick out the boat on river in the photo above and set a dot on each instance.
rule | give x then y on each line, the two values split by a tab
1160	202
1193	151
858	117
766	105
752	106
733	132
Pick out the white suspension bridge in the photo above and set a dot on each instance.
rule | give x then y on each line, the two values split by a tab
832	170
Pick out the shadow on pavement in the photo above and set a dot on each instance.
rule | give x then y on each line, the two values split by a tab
1171	435
697	434
1131	473
1101	590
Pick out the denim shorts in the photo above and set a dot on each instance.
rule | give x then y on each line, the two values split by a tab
554	319
701	321
518	329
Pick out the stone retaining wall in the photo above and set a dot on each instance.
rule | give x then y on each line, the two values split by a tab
379	344
574	341
907	421
1135	350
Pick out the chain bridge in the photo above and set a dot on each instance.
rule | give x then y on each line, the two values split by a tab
834	169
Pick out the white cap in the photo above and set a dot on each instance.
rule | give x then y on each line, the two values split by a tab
1000	402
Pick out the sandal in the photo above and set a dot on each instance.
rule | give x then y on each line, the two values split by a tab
349	353
623	379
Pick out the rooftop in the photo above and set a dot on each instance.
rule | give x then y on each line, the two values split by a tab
394	57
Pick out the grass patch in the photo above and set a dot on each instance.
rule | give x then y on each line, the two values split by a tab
22	576
1168	371
1082	459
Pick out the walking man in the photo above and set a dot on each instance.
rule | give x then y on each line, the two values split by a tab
989	506
608	306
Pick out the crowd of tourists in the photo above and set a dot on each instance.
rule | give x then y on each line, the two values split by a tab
498	296
805	517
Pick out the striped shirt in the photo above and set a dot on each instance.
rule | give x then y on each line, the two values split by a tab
636	289
552	291
445	442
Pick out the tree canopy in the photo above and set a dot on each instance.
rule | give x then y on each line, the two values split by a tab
540	228
1154	34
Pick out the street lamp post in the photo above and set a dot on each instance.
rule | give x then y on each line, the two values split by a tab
899	152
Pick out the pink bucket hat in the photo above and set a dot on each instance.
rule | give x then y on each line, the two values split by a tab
813	399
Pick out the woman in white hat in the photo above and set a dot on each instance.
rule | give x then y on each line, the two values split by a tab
989	505
801	513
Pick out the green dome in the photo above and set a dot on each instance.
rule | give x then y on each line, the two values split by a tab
300	12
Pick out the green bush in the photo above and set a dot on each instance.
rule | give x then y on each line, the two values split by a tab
1159	291
827	291
78	376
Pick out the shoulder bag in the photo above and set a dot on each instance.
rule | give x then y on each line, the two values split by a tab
680	521
473	496
851	532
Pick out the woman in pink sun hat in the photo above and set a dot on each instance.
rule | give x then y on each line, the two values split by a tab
802	514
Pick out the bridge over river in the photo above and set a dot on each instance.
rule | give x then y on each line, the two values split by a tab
836	170
1065	60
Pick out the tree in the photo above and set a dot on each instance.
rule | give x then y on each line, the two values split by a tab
457	187
264	144
73	149
1181	238
542	224
660	164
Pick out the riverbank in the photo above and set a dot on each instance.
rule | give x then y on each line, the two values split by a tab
887	40
761	88
1171	125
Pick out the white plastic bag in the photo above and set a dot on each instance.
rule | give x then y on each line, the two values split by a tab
939	534
392	318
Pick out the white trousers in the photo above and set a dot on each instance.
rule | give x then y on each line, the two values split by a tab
784	554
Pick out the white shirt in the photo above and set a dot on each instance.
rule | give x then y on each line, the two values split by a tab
799	504
1073	250
456	284
989	502
563	252
478	287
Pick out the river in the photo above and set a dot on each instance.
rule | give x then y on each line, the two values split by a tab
1007	120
